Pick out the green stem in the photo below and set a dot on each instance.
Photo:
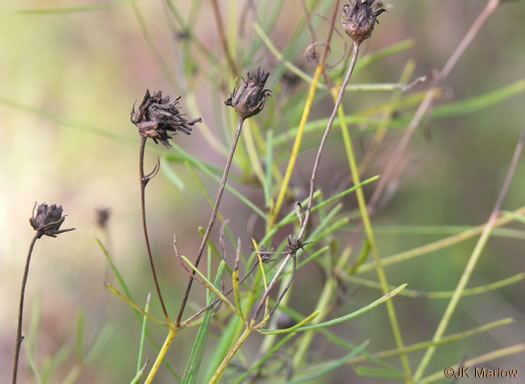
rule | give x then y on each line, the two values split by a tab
371	239
467	273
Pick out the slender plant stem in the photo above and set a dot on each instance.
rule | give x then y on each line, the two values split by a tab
429	98
328	290
143	182
373	246
213	218
355	53
302	123
171	335
222	34
231	353
467	273
438	245
423	345
494	355
19	336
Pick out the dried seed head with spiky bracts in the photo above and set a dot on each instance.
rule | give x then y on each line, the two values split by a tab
360	17
48	220
249	99
159	118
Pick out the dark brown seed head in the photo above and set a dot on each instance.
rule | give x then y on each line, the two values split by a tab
48	220
249	99
102	217
360	17
159	118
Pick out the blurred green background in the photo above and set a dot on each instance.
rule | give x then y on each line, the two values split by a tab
68	82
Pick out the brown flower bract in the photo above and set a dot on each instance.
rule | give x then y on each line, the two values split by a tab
159	118
249	99
359	19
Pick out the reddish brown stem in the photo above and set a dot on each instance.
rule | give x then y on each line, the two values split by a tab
213	217
143	182
19	337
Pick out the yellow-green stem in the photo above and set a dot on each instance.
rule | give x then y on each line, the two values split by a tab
297	145
252	152
440	244
325	300
371	239
161	355
218	373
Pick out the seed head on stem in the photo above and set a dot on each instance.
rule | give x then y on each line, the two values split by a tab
248	100
360	18
47	221
157	118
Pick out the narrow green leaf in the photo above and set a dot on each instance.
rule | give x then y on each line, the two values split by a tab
331	367
379	373
206	170
171	174
124	287
79	339
192	367
55	362
228	338
82	9
100	343
140	366
34	327
269	164
480	102
355	314
139	374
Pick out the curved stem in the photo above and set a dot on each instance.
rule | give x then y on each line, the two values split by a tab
19	336
213	217
355	53
143	181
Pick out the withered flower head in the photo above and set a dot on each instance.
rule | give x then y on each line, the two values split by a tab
48	220
102	216
249	99
159	118
360	17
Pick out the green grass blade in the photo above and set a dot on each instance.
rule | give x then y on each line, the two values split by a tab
480	102
355	314
384	53
379	373
139	374
228	338
140	366
171	174
440	294
269	164
216	178
124	287
34	327
82	9
192	367
100	343
79	336
55	362
332	366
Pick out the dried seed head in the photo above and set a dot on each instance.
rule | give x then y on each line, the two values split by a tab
159	118
249	99
102	217
360	17
48	220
